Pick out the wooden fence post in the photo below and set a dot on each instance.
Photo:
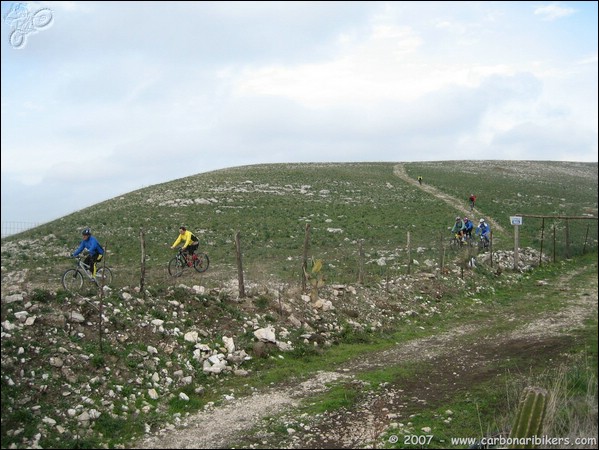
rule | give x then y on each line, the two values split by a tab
142	278
542	235
586	237
305	256
554	249
516	245
239	266
491	247
567	239
101	294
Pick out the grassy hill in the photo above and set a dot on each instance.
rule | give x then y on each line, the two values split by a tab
270	206
71	379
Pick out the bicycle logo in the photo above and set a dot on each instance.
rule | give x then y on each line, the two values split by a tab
23	22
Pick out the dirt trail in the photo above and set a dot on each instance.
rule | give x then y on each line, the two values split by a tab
399	170
456	366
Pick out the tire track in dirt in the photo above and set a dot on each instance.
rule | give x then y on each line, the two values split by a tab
238	420
400	171
453	368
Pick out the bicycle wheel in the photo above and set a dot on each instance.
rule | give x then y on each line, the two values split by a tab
72	280
175	267
483	244
455	243
201	264
104	276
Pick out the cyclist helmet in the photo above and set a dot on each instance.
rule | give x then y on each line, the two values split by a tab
458	218
481	221
465	219
86	232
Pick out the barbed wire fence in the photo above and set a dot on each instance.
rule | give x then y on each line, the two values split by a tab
356	260
10	228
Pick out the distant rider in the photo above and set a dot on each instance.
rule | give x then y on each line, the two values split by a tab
472	199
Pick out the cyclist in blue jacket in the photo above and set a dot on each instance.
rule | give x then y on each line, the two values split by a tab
468	226
484	229
95	250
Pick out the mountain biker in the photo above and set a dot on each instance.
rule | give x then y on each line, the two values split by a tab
472	199
458	228
484	229
468	226
190	242
94	249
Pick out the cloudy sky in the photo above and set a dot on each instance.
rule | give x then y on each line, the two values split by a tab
103	98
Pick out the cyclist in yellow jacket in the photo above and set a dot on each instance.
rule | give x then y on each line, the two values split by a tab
190	242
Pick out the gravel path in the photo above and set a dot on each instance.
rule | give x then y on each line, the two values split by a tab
241	419
399	170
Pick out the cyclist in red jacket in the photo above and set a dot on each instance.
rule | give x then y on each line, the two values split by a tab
472	199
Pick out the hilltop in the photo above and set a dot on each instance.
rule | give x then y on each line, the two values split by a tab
192	343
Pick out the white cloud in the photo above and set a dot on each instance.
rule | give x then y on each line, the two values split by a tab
554	11
132	88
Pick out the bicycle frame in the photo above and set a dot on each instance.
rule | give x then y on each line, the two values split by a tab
199	261
85	268
484	242
72	279
186	258
457	241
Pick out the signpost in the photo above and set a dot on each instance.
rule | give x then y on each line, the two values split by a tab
516	221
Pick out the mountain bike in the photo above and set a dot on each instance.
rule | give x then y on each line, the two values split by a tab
456	241
483	243
199	261
72	279
468	239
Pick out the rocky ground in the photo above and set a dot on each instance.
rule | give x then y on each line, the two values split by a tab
70	360
178	342
245	422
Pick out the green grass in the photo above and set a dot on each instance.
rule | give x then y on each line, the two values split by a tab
524	188
483	409
479	408
339	396
270	205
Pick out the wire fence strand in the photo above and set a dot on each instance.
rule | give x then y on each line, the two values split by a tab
10	228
